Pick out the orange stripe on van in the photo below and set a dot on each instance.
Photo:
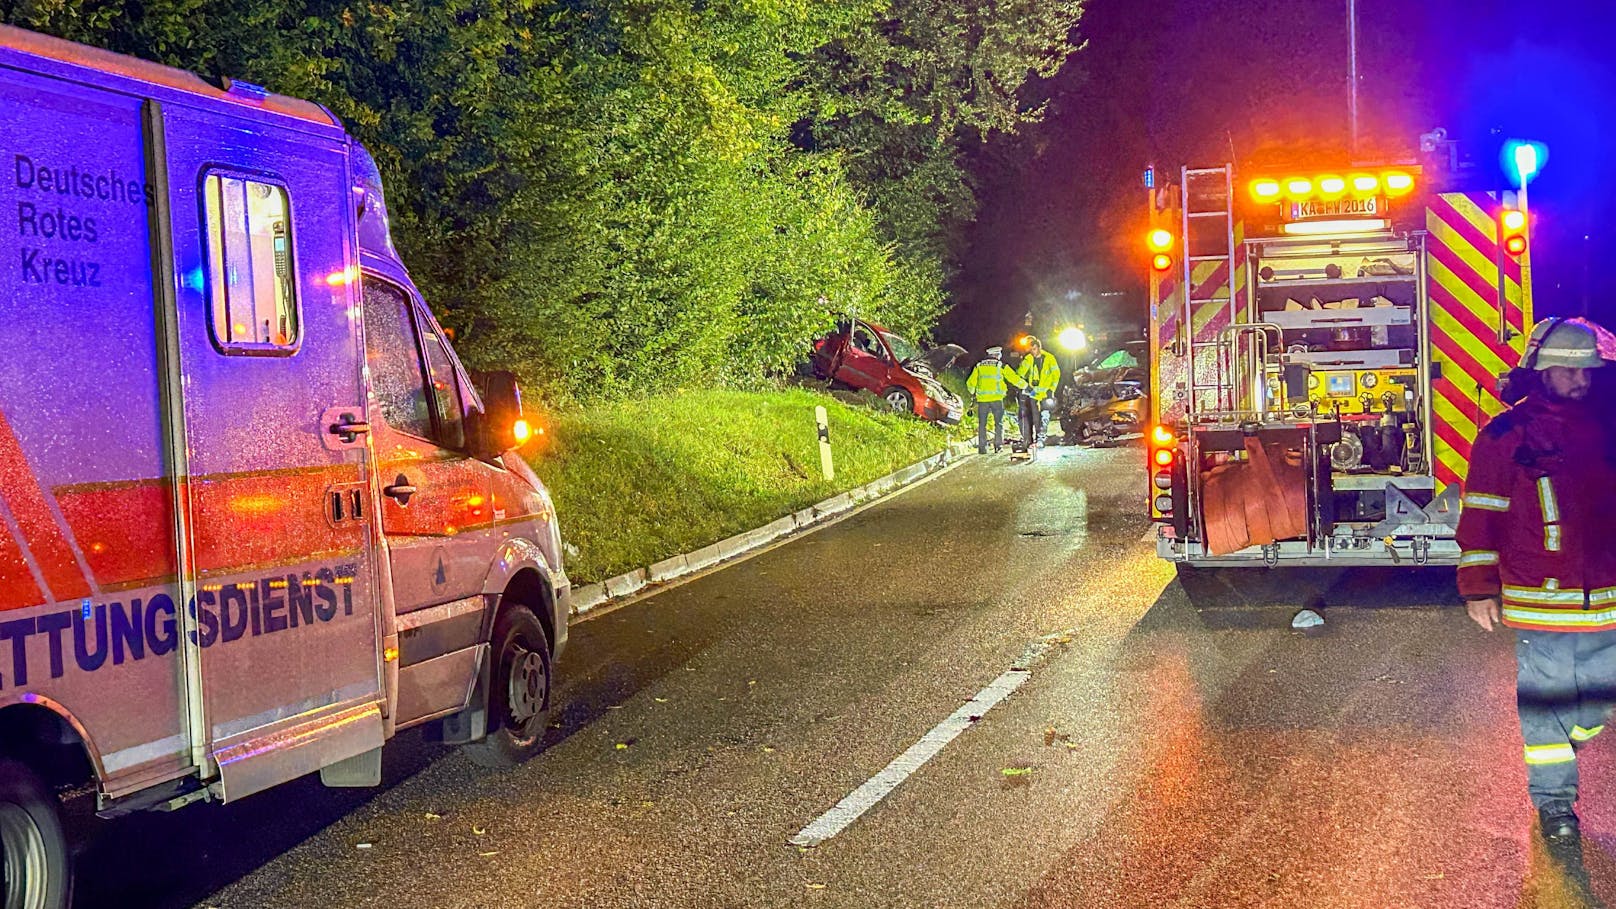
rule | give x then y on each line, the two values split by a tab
251	519
126	531
41	534
17	586
245	519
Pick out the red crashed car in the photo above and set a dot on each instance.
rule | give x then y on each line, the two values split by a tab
865	356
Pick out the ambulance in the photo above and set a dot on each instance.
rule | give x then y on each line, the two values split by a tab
255	517
1327	336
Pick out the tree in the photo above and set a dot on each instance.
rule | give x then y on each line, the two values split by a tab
614	196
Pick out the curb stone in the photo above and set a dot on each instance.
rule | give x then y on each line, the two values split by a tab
593	596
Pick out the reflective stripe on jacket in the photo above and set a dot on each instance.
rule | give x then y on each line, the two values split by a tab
1534	524
1042	375
989	379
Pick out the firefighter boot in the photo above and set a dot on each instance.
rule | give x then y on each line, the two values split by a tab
1559	822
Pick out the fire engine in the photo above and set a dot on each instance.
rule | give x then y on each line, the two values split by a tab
1326	342
255	517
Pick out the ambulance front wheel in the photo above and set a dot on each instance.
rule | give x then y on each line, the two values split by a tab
518	691
33	846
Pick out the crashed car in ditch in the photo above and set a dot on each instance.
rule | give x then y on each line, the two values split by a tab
864	356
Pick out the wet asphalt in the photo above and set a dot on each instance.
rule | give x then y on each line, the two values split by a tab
1172	747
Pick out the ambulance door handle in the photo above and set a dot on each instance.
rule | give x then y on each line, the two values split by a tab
401	490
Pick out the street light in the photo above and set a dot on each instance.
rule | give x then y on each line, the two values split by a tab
1073	338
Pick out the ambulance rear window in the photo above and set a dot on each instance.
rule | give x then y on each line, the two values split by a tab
252	289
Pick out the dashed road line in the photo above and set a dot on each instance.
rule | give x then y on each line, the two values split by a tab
881	785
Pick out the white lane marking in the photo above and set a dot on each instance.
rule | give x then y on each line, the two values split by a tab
879	786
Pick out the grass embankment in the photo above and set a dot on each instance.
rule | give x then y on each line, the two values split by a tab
639	481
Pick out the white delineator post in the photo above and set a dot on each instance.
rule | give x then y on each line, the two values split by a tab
823	419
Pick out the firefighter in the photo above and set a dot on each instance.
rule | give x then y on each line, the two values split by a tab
1537	556
1042	374
990	381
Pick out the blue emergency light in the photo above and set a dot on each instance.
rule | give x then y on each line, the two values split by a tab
1524	160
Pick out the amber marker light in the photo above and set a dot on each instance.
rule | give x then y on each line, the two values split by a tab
1397	183
1265	190
1514	219
1162	435
522	430
1159	240
1161	262
1164	457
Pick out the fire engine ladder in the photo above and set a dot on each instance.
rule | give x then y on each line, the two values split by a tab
1208	212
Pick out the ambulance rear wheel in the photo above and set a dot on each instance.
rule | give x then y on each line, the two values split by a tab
34	861
518	691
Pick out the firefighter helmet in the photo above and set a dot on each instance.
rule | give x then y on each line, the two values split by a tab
1563	342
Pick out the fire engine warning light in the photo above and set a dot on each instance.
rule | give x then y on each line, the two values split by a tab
1164	457
1159	240
1162	435
1161	262
1265	190
1512	233
1392	183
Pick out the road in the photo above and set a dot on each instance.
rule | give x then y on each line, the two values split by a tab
1158	752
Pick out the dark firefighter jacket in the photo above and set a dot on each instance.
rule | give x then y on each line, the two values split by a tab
1534	527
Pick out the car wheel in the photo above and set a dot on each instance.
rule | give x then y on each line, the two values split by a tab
36	870
899	400
518	691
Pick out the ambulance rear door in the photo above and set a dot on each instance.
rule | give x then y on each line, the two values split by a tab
282	540
88	602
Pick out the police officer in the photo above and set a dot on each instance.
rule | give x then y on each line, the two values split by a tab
988	384
1537	556
1042	374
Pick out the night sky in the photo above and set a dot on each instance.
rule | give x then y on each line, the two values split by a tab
1180	82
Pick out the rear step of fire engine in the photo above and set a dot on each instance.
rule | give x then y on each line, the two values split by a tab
1208	202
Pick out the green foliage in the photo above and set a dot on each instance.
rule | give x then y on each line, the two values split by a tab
903	95
622	196
643	480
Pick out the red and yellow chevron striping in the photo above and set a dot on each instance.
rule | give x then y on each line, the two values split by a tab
1473	339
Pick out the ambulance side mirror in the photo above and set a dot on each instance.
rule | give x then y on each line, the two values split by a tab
500	427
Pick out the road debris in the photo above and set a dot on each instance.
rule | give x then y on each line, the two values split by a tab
1307	618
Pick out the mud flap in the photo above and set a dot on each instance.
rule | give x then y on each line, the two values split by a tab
471	724
361	770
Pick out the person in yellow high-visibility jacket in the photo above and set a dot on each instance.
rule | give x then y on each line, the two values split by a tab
988	384
1041	373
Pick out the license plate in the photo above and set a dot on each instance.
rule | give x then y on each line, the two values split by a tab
1337	208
